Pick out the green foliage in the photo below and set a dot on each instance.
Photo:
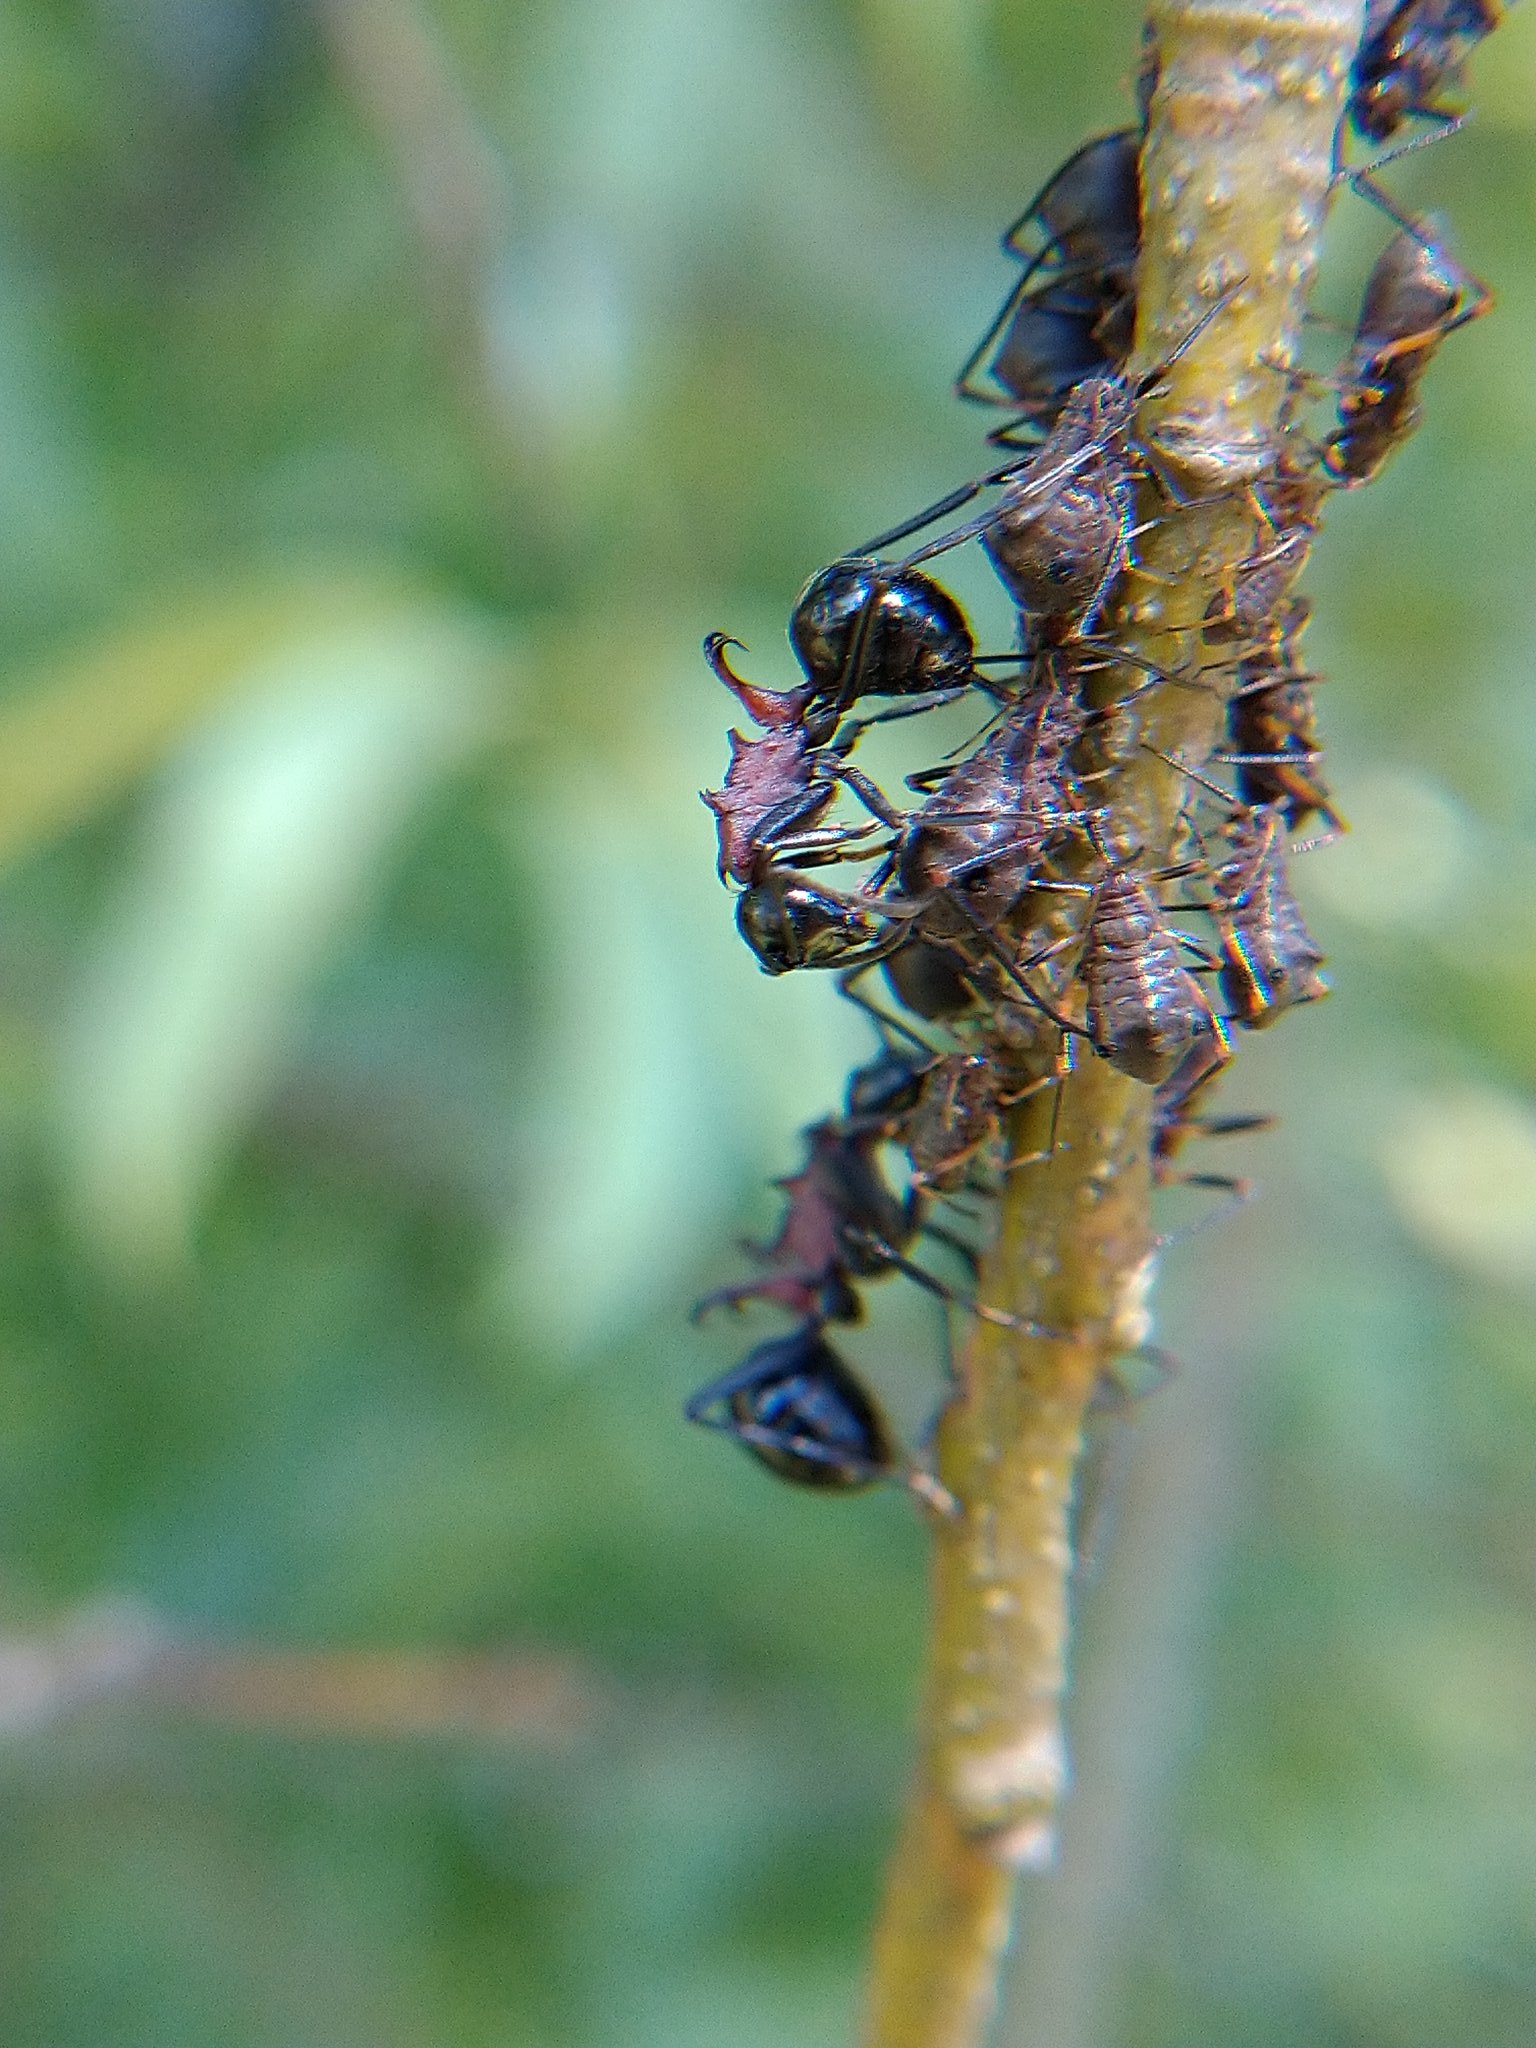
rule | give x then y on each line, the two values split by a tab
381	1078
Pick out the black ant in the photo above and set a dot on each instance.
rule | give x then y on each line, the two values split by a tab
859	630
801	1411
1073	312
1412	50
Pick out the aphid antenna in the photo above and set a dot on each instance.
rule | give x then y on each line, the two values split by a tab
1360	176
1031	484
1194	775
1320	839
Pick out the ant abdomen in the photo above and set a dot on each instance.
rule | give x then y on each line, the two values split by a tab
801	1411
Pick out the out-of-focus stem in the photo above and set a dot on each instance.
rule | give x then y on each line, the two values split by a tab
1236	173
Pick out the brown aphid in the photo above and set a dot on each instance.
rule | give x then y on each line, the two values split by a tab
1247	611
1416	295
1058	549
975	843
1411	52
1272	728
1061	529
1146	1011
956	1119
1270	961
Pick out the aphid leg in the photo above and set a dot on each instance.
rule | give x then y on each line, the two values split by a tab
1066	1064
1239	1193
1481	294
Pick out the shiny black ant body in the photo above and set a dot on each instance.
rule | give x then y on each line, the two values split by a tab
799	1408
1073	312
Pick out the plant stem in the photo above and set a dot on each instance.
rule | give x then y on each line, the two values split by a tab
1236	180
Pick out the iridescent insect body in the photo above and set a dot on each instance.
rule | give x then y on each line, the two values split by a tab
1270	961
1146	1011
1272	727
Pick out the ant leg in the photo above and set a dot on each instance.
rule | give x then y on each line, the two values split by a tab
964	388
962	496
872	798
888	1255
967	1253
909	707
930	1492
787	1442
847	987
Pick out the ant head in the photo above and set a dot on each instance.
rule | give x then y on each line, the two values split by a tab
795	924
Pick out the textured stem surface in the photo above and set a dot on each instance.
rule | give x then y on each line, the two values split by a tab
1236	180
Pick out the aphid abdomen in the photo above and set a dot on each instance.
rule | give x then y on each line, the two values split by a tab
1145	1009
1270	961
956	1118
1056	552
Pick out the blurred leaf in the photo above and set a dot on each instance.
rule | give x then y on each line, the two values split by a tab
80	731
263	844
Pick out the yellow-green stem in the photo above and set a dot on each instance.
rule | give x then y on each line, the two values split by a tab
1236	181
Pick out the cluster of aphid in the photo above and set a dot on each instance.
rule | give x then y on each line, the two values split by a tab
964	900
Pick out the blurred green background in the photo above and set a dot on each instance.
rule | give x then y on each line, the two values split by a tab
393	392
